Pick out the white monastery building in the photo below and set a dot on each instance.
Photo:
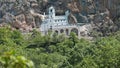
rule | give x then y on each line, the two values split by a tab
52	21
59	24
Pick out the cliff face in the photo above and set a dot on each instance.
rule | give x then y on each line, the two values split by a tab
17	12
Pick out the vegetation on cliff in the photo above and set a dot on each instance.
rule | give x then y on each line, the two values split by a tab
59	51
20	50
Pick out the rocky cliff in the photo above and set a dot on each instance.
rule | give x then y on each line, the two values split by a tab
103	13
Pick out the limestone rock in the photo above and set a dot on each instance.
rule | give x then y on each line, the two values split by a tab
14	11
30	20
9	18
21	18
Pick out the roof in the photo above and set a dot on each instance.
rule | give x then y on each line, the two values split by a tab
60	17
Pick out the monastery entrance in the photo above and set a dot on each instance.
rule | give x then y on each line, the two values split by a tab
67	31
61	31
75	30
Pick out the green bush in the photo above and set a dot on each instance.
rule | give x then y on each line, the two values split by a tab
57	51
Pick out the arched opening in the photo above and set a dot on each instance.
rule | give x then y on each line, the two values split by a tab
56	32
51	10
61	31
75	30
67	32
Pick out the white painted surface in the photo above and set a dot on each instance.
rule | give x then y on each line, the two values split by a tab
53	21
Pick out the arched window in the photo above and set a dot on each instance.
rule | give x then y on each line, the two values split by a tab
67	32
56	31
51	10
75	30
61	31
55	20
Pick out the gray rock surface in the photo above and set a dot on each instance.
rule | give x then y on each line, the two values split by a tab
85	11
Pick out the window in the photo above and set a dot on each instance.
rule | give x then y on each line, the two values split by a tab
55	20
51	10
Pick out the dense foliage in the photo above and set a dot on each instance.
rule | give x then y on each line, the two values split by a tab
60	51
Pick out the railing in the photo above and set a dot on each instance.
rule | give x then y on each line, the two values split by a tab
71	25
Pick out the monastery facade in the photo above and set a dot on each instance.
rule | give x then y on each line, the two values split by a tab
52	21
59	24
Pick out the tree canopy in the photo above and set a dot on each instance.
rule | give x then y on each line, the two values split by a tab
57	51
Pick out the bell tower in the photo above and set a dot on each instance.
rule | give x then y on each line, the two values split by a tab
51	12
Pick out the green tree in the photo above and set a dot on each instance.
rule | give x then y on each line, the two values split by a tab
8	60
